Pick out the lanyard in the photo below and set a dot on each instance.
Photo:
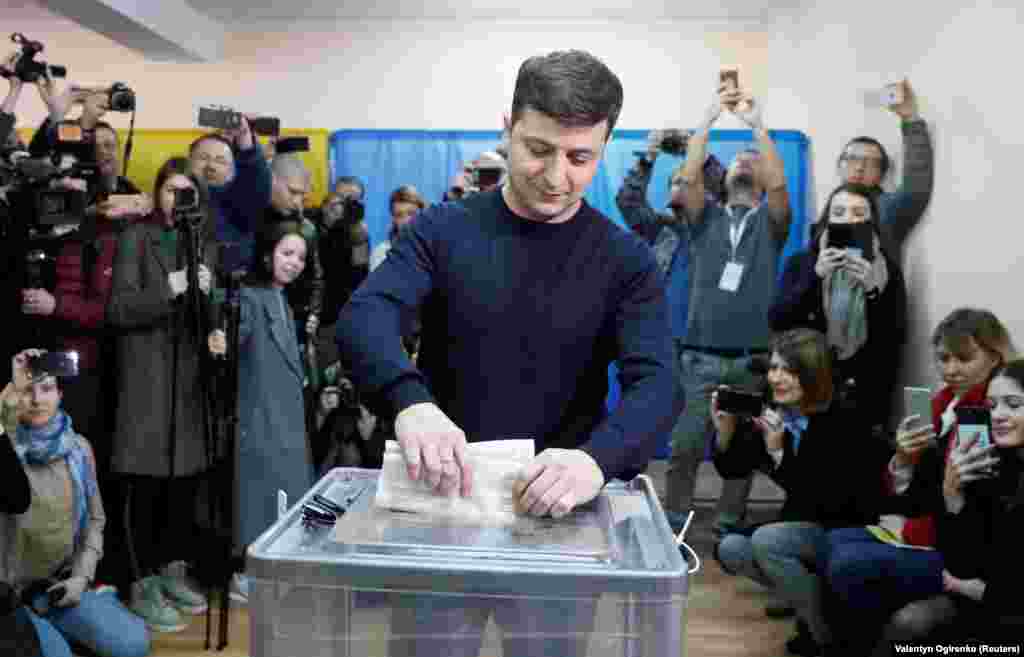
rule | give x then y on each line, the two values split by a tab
736	230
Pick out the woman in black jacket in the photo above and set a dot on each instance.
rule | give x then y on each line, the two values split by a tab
825	458
979	533
858	300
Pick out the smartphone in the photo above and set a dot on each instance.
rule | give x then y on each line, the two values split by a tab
730	78
185	198
54	363
858	239
219	118
740	402
918	401
887	96
266	126
971	420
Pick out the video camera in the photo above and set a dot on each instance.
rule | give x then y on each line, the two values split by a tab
27	69
32	195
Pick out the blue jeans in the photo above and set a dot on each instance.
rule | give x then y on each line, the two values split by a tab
699	372
99	622
787	557
871	580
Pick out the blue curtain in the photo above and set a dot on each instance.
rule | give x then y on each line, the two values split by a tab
387	159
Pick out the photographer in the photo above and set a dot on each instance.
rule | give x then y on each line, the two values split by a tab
734	253
7	117
232	167
51	550
484	174
159	443
95	102
795	441
344	251
668	235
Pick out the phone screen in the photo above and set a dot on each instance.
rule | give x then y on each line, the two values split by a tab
973	420
918	401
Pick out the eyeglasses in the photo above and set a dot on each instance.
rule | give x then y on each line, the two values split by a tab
875	162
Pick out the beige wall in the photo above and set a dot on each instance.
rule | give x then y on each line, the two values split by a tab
809	72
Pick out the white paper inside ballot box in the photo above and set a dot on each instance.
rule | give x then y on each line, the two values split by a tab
495	466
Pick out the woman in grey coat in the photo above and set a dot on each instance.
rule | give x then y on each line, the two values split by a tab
159	444
273	452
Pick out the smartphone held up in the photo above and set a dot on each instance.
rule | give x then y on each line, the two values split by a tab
729	80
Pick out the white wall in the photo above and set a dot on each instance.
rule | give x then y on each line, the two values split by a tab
809	72
967	250
427	74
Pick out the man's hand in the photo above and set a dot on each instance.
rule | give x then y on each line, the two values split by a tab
205	279
312	324
749	111
434	449
654	139
217	342
910	442
828	261
20	375
73	588
907	110
38	302
557	481
968	462
178	280
241	136
715	109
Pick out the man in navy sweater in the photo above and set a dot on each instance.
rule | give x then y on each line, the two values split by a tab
526	295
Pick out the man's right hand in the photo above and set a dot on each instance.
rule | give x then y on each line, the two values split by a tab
434	449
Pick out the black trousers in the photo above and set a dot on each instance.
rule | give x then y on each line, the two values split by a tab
160	519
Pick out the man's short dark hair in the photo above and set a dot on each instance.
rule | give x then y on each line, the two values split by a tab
868	141
351	180
573	87
213	136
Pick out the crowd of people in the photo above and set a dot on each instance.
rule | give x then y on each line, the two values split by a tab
488	295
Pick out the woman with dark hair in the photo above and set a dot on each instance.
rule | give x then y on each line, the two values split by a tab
894	588
159	443
273	453
979	532
858	300
796	441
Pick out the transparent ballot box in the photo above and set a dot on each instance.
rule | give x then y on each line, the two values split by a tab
605	581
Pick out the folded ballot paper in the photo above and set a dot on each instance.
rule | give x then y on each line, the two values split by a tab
495	466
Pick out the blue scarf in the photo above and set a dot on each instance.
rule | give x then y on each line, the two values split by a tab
55	440
796	423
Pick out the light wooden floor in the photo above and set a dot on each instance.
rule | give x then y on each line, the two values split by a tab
724	616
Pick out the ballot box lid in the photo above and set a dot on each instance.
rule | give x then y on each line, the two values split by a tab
620	542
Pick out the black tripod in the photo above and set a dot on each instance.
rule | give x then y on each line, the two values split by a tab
227	432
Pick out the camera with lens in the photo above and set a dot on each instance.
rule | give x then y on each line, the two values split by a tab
674	142
186	207
121	98
28	69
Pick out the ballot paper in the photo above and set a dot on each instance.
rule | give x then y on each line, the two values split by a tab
495	466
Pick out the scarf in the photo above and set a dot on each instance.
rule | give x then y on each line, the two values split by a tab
38	446
796	423
844	301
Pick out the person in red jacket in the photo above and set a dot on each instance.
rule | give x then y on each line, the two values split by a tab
894	588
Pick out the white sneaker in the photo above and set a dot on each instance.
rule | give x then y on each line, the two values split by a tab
240	589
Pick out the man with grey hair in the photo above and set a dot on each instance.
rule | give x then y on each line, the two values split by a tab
290	183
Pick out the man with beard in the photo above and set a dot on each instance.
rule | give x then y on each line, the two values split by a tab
734	251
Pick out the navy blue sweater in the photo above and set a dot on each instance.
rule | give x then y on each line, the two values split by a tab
520	321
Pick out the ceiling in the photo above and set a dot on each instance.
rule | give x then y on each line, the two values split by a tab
242	12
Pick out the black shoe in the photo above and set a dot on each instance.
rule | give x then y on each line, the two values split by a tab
779	610
803	644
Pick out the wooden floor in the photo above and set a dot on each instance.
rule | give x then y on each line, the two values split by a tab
724	616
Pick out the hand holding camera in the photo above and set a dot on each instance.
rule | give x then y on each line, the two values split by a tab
770	424
910	440
218	343
829	260
38	302
21	373
971	460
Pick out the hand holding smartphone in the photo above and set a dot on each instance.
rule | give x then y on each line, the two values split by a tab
729	81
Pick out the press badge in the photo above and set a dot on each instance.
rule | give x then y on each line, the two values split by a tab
731	277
